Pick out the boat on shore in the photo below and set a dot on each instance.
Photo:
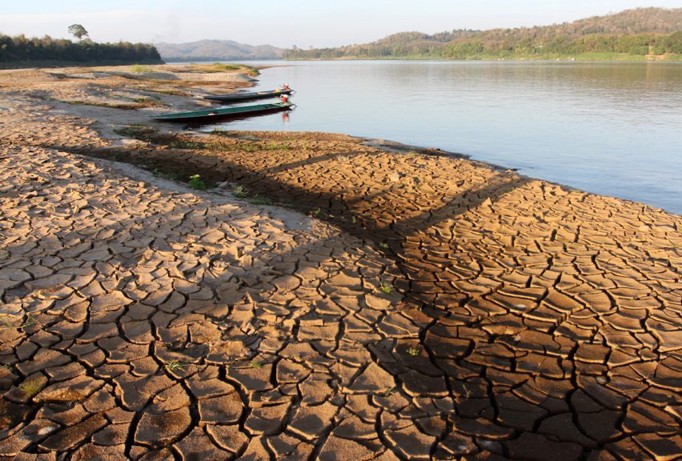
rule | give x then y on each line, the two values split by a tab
242	97
209	115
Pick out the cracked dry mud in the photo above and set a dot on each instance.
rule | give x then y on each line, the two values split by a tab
444	310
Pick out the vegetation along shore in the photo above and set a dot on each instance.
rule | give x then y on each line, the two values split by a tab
635	35
22	52
174	294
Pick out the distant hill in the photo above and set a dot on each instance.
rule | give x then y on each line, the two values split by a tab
216	50
629	34
635	21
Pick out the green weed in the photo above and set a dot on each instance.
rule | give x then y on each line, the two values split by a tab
31	387
249	147
139	68
413	351
141	132
179	143
175	365
221	67
6	322
240	192
260	200
218	66
388	391
30	320
385	288
277	146
195	182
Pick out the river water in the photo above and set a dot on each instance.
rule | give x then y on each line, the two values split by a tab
609	128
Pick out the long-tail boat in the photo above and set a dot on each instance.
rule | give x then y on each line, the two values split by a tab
241	97
208	115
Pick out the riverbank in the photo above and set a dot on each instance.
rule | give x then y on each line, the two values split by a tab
580	57
551	120
398	303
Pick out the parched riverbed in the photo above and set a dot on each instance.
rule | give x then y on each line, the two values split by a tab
330	297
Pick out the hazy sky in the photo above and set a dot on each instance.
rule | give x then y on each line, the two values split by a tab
285	23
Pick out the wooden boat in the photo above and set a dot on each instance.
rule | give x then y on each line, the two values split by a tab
240	97
208	115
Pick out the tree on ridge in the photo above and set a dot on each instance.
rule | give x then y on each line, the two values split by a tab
78	31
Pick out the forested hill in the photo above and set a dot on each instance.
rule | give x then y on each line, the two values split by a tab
631	34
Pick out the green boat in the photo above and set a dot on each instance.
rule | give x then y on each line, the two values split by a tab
209	115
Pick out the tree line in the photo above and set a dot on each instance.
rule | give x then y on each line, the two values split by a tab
482	46
18	50
638	32
565	45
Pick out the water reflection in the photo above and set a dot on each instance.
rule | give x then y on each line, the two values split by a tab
610	128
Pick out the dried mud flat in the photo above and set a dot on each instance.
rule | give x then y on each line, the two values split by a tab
399	303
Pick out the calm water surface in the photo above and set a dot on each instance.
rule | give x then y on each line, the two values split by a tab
609	128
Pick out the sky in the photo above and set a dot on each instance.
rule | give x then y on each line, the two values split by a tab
285	23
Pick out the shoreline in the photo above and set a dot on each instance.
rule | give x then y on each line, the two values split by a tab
402	305
675	59
395	146
624	59
592	157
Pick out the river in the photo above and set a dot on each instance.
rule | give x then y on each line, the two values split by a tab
610	128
